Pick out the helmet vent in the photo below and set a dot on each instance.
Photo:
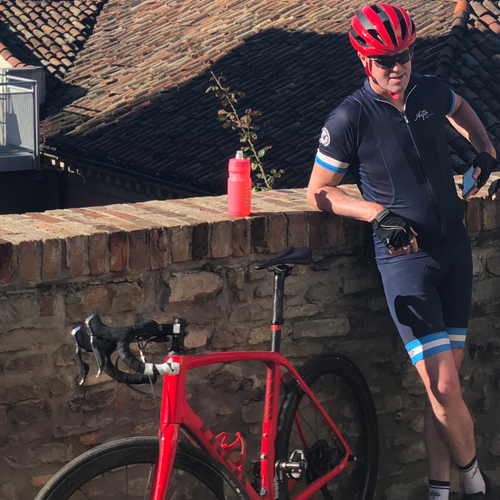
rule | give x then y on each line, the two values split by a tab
402	24
390	30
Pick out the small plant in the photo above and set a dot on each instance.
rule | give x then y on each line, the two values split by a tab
244	125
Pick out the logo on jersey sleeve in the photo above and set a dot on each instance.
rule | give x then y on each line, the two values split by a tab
424	114
325	137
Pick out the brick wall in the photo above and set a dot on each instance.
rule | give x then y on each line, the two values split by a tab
187	258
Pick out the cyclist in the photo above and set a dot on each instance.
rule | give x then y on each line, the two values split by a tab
390	134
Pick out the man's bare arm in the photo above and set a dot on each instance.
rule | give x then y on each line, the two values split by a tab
323	193
465	121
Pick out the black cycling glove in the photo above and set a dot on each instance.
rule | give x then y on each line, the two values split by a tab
495	186
487	164
393	230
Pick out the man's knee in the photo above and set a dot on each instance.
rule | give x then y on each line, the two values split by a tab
445	391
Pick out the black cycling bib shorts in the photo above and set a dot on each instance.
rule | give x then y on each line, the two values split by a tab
401	161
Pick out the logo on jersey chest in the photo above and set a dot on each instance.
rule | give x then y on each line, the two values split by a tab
424	114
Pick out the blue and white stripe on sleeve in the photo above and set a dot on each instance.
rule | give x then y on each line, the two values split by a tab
325	161
427	346
452	109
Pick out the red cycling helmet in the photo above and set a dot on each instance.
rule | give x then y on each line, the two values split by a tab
381	29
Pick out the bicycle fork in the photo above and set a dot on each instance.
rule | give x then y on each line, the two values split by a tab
170	420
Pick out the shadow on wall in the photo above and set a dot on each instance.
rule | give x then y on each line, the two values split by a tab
295	79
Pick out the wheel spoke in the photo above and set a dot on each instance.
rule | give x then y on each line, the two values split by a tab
340	389
125	469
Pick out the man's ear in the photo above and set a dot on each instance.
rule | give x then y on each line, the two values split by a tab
363	58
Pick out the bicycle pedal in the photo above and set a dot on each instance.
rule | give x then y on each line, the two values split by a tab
296	465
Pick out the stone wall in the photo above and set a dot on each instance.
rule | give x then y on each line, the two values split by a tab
187	258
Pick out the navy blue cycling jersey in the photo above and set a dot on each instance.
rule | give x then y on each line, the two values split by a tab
399	160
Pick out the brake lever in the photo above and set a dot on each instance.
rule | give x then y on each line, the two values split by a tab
101	348
78	336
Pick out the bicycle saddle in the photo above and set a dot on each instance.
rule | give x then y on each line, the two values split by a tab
291	255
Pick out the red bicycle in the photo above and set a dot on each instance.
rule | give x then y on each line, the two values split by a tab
321	442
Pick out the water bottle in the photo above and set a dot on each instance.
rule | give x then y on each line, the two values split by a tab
239	186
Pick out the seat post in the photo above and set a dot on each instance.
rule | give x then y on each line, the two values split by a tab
281	272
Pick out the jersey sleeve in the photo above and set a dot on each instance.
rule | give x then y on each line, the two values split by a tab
443	94
338	141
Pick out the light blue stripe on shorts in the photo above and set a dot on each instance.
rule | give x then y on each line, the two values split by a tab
457	337
427	346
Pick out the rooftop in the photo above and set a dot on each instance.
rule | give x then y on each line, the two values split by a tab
125	90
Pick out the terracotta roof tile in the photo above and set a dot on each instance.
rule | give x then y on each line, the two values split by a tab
135	97
41	24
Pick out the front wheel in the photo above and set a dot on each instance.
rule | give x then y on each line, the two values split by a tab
125	469
340	388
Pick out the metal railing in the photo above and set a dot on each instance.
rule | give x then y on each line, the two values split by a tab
19	123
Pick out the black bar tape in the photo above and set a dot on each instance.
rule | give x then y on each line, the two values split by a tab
129	378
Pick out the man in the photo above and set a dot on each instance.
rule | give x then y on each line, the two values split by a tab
390	134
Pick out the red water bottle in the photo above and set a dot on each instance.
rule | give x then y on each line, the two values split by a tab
239	186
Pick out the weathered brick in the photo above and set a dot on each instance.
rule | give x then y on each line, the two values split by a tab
316	227
98	246
491	214
296	229
39	481
47	305
6	261
138	249
334	230
220	239
473	215
76	255
51	259
29	260
159	257
118	252
240	237
258	233
89	439
277	232
200	241
322	328
181	243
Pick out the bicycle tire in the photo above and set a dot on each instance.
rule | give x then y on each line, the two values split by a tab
343	392
100	473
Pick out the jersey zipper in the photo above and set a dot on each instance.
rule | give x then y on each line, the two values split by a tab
403	114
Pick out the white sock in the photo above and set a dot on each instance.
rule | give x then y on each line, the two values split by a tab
473	479
439	490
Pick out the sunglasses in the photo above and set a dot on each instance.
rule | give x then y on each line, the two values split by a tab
389	62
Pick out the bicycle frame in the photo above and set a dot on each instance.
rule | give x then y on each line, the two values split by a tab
176	413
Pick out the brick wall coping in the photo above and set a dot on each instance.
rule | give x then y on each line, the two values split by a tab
65	244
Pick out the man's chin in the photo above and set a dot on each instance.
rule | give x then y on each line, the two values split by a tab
398	87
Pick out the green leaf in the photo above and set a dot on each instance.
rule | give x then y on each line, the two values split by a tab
273	171
254	166
246	148
219	93
225	102
261	153
226	124
253	135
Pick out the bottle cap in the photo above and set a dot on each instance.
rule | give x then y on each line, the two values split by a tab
239	155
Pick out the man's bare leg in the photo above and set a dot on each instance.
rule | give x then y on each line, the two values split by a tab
452	418
438	455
